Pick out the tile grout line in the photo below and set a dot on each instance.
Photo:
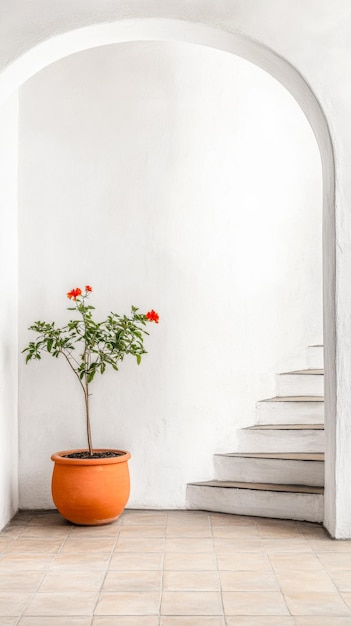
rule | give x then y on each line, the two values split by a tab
279	586
325	570
278	583
163	571
218	571
106	569
271	566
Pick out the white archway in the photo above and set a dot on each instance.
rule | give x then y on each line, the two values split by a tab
176	30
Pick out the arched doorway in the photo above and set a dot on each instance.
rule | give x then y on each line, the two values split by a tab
165	30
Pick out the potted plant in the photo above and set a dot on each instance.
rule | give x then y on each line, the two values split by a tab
91	486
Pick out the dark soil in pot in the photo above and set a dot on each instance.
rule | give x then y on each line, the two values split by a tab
85	454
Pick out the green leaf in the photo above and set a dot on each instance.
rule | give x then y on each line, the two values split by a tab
91	376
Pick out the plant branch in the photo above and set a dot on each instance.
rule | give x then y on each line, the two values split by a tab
72	368
105	343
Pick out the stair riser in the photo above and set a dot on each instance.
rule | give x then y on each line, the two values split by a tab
308	507
300	385
315	357
289	412
281	441
277	471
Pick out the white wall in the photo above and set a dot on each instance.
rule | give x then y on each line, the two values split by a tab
8	311
180	178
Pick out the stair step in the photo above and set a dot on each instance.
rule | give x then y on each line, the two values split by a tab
301	383
309	372
282	438
290	409
269	467
286	427
299	502
230	484
315	356
290	456
295	399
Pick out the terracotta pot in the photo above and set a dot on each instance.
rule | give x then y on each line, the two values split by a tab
90	492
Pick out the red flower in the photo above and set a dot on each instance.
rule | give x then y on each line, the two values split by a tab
152	316
74	293
88	288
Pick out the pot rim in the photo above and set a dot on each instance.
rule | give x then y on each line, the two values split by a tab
61	459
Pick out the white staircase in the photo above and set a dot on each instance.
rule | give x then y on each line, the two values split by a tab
290	410
271	467
278	470
301	383
282	438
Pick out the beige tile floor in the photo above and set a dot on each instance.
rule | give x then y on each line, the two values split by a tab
172	568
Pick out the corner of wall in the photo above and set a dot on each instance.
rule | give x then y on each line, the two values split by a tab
8	312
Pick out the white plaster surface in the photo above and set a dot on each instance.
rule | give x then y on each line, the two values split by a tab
263	470
290	412
307	440
299	506
8	311
176	177
304	384
314	36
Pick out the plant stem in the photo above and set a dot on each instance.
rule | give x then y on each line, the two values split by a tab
86	357
86	397
85	388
